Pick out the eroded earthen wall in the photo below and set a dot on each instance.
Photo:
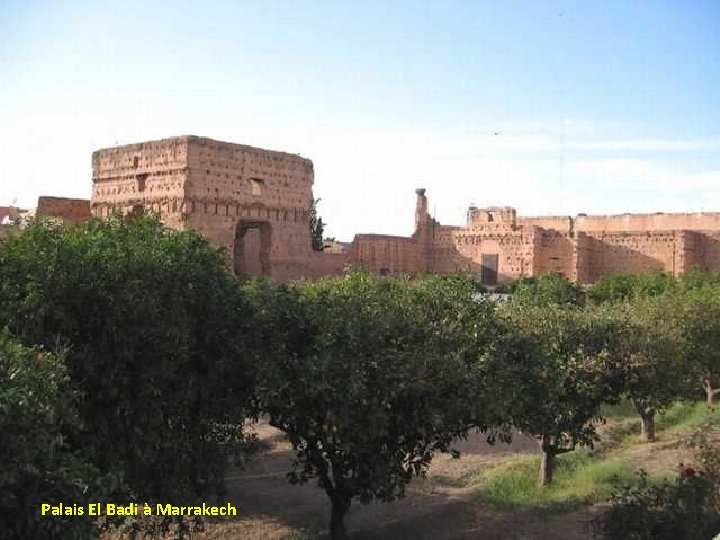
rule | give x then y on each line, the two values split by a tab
67	210
709	246
326	264
554	253
255	204
243	199
649	222
636	252
385	254
562	224
233	187
149	176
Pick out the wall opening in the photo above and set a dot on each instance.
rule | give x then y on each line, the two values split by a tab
251	252
256	186
141	181
488	268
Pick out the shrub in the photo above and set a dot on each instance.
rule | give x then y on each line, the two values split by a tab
552	289
686	508
154	326
36	464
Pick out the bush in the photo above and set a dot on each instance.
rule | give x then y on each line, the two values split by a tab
36	464
155	328
548	290
629	286
687	508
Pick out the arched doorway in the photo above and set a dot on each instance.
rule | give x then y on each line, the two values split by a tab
251	253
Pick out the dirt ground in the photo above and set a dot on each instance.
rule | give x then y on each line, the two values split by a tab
272	509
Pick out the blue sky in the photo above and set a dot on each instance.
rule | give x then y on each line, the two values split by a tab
551	107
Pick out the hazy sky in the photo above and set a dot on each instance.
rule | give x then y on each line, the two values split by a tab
551	107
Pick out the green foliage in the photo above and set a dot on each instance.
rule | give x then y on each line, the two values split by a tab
698	281
548	290
36	464
655	374
686	508
154	327
700	317
622	410
630	286
377	376
558	370
579	479
685	416
317	227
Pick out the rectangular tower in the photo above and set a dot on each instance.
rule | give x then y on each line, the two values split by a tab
254	203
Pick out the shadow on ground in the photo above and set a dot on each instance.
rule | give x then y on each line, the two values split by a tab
427	512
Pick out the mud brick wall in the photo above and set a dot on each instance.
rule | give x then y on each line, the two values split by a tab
69	211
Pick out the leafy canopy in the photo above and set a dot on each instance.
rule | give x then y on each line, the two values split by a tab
36	415
154	328
375	376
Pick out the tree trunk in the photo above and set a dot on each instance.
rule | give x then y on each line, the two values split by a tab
547	461
340	506
647	426
647	421
710	392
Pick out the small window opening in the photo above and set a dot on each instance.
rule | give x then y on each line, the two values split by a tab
141	180
256	186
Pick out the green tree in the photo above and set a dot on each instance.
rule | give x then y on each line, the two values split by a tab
317	227
656	373
552	289
154	327
701	319
626	286
375	377
38	467
560	365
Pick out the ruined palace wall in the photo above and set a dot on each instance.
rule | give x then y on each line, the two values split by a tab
649	222
640	251
444	255
67	210
378	252
517	253
554	252
217	189
691	247
150	175
584	249
513	248
708	250
563	224
456	249
232	183
323	263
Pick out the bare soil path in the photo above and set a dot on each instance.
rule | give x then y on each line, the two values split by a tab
272	508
